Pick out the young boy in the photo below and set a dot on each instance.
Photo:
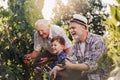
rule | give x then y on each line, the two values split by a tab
58	44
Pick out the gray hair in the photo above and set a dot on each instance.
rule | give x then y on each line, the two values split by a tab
42	22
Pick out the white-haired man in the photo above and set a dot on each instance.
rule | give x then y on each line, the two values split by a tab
42	40
85	53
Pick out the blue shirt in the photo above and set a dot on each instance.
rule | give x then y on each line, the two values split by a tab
59	59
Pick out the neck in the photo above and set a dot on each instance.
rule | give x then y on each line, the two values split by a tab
83	37
59	52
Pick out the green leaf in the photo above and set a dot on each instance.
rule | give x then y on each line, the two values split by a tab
118	1
118	13
113	11
33	10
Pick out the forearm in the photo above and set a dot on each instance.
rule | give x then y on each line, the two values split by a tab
34	54
58	68
79	67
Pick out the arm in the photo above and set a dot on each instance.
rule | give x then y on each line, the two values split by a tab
96	51
54	71
78	66
30	56
34	54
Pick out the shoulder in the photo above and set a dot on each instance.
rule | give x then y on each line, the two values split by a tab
94	37
56	28
97	41
62	54
36	33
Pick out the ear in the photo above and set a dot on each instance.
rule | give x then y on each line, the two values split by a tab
83	27
63	46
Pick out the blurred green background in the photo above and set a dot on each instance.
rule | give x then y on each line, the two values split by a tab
17	29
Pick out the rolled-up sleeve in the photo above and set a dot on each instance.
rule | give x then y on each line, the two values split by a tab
71	56
95	52
37	46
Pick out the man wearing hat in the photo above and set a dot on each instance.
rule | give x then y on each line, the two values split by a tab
85	53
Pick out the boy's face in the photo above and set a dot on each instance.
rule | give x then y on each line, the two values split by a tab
57	47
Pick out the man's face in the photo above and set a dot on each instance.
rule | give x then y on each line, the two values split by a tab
43	31
75	30
57	47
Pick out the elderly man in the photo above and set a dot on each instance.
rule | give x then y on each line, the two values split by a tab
85	53
42	40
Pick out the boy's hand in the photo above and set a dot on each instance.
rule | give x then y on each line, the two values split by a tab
53	72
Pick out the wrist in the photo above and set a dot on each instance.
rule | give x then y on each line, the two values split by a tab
70	66
57	68
33	55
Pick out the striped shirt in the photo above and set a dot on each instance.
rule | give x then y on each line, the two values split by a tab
95	46
40	43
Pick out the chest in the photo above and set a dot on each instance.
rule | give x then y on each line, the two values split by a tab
82	52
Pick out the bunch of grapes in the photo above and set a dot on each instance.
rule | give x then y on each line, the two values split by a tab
27	61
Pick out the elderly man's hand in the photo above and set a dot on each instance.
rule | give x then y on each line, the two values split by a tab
43	60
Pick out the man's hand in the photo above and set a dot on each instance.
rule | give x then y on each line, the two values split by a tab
43	60
29	57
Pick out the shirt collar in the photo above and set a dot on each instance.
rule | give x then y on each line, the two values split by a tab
60	53
88	37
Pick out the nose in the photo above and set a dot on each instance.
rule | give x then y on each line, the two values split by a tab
53	46
40	32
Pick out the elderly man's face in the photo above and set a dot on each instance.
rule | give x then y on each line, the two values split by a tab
75	30
43	31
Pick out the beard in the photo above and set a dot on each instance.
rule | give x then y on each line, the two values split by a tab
77	35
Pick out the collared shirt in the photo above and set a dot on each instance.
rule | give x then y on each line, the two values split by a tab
95	46
39	42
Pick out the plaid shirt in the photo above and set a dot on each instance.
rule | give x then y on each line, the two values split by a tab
39	42
95	46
